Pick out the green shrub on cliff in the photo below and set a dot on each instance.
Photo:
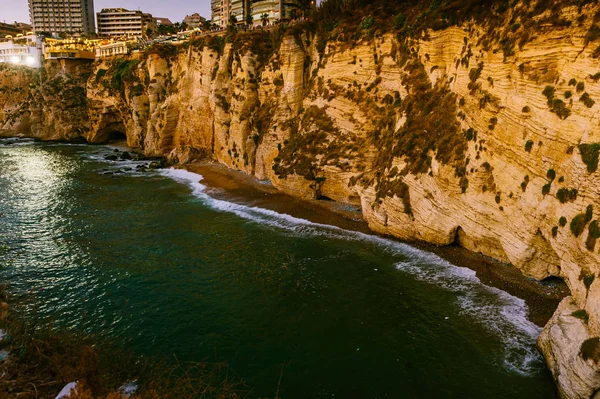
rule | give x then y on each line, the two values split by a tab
589	155
565	195
593	235
579	221
581	314
167	51
100	74
562	221
590	349
587	100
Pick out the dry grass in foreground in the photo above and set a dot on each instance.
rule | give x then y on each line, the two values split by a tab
43	359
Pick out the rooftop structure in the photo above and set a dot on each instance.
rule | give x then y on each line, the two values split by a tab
14	29
122	22
194	21
62	16
22	50
163	21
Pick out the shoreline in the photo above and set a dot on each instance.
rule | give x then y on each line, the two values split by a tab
541	297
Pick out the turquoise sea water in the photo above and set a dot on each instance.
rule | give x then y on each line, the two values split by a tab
151	260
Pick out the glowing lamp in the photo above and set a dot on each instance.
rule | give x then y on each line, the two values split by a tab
30	60
14	59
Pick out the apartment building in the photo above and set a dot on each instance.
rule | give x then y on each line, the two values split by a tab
223	10
62	16
216	7
266	11
122	22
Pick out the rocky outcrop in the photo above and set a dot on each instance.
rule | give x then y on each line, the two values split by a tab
571	354
453	136
50	104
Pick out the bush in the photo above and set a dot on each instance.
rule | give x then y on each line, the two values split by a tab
581	314
526	110
100	74
554	231
580	87
367	22
568	94
551	174
546	189
528	145
399	21
562	221
589	155
565	195
588	279
587	100
578	224
590	349
593	235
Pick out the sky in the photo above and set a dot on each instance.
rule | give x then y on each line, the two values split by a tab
175	10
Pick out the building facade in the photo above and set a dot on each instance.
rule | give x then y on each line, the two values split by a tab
23	50
112	49
62	16
262	12
70	49
194	21
216	7
223	10
122	22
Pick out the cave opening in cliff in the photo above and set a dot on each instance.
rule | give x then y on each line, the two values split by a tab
115	135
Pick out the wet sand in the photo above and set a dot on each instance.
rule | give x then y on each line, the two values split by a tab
235	186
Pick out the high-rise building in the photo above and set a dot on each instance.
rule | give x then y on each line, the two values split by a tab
216	7
122	22
62	16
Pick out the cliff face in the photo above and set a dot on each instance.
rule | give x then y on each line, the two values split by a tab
444	138
50	104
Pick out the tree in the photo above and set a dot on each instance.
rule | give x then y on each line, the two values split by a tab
249	19
183	26
265	19
233	19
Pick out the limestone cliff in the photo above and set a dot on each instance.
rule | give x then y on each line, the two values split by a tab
483	135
